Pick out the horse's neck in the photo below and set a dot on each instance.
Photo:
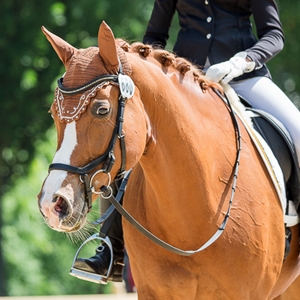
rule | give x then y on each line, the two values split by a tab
187	133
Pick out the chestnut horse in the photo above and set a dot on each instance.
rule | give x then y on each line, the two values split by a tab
182	145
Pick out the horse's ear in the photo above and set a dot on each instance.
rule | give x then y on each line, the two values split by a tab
107	48
64	50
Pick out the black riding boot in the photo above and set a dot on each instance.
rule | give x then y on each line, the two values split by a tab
100	262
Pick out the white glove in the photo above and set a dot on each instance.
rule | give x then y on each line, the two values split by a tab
234	67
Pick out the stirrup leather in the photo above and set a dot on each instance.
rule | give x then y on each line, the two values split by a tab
96	278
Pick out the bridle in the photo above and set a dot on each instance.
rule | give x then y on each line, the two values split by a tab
126	87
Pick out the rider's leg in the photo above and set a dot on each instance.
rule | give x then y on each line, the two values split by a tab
100	262
262	93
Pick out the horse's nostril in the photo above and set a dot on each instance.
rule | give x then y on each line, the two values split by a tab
61	206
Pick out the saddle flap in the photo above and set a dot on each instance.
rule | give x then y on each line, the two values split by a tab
280	142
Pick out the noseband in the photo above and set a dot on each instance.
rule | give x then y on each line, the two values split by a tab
126	87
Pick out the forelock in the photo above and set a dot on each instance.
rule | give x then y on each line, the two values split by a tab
85	65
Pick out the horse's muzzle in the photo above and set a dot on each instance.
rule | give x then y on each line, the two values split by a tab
62	212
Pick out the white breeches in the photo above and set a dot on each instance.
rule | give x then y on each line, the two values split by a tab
262	93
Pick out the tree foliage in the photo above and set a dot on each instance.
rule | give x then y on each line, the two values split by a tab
28	71
34	256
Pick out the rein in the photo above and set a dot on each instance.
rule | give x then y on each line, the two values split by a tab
115	201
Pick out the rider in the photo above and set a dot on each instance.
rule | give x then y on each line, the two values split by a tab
217	35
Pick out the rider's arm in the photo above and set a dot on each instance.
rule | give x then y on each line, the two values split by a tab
269	32
157	32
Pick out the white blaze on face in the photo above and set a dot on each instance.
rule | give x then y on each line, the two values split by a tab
56	177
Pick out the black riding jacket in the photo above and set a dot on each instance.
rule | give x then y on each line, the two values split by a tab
218	29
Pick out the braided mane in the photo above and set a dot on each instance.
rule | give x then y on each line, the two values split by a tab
168	59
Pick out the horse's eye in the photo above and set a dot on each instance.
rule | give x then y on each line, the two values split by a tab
101	108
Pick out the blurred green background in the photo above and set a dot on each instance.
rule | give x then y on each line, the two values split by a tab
35	260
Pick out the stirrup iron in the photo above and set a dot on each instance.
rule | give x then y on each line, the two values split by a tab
96	278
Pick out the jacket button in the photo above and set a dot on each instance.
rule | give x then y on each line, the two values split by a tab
208	20
208	36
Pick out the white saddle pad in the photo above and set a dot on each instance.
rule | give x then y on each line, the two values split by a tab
270	161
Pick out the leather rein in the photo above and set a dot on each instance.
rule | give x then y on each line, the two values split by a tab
126	87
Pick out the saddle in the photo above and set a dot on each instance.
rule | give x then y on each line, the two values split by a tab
279	140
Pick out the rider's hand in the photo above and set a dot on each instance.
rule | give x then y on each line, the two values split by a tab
234	67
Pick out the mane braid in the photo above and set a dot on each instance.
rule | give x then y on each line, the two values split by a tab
168	59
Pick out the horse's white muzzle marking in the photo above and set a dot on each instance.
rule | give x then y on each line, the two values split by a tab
53	190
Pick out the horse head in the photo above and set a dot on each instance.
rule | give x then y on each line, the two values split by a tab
95	106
